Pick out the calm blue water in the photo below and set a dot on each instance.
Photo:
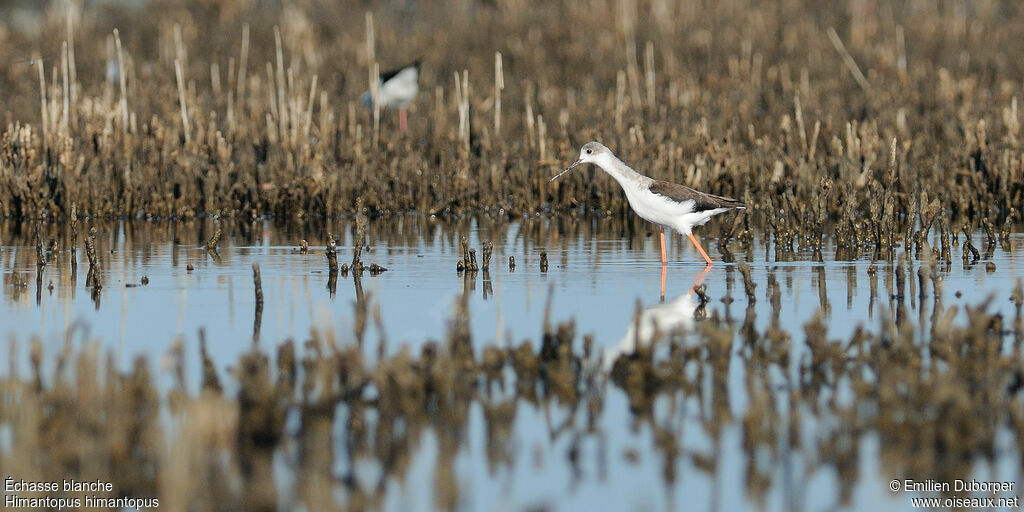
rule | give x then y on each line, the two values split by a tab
598	274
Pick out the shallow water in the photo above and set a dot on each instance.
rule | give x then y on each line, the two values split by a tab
600	273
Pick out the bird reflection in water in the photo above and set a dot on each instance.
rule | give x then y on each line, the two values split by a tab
676	315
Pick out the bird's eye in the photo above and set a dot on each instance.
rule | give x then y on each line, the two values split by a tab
590	151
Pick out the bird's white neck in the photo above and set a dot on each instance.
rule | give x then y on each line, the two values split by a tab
618	169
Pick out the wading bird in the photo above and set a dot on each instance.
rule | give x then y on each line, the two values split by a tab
666	204
397	88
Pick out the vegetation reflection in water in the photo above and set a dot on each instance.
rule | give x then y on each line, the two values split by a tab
734	378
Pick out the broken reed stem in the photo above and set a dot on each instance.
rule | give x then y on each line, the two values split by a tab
243	63
122	82
632	69
801	129
309	108
528	112
848	59
43	110
294	108
649	70
72	69
373	79
542	132
462	101
499	84
65	114
620	98
181	99
374	96
215	79
282	104
901	51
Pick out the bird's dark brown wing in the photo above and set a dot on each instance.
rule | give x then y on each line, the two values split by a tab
682	193
389	74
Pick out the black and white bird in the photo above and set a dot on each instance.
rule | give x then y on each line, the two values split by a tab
661	202
397	88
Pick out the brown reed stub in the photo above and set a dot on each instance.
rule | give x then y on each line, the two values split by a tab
40	254
189	267
990	232
90	248
512	263
211	244
464	244
1005	229
73	234
975	255
543	262
748	282
332	255
487	248
362	227
303	246
210	381
258	285
257	282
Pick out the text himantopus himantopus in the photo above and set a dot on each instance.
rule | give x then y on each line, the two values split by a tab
397	89
666	204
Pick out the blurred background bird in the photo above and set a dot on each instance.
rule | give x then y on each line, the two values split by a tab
397	89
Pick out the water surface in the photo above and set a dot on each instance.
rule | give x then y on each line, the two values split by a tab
600	274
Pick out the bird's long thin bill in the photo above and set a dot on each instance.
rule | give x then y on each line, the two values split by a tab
567	169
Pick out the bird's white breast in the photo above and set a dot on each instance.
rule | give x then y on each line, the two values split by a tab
401	89
659	209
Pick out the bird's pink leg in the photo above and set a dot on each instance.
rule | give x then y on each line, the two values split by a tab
663	269
701	249
402	123
699	279
664	259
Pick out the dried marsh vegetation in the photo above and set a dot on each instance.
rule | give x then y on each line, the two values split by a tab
841	115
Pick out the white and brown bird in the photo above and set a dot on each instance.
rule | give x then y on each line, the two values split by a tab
661	202
397	89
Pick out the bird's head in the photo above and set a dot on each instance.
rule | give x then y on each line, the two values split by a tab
591	152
